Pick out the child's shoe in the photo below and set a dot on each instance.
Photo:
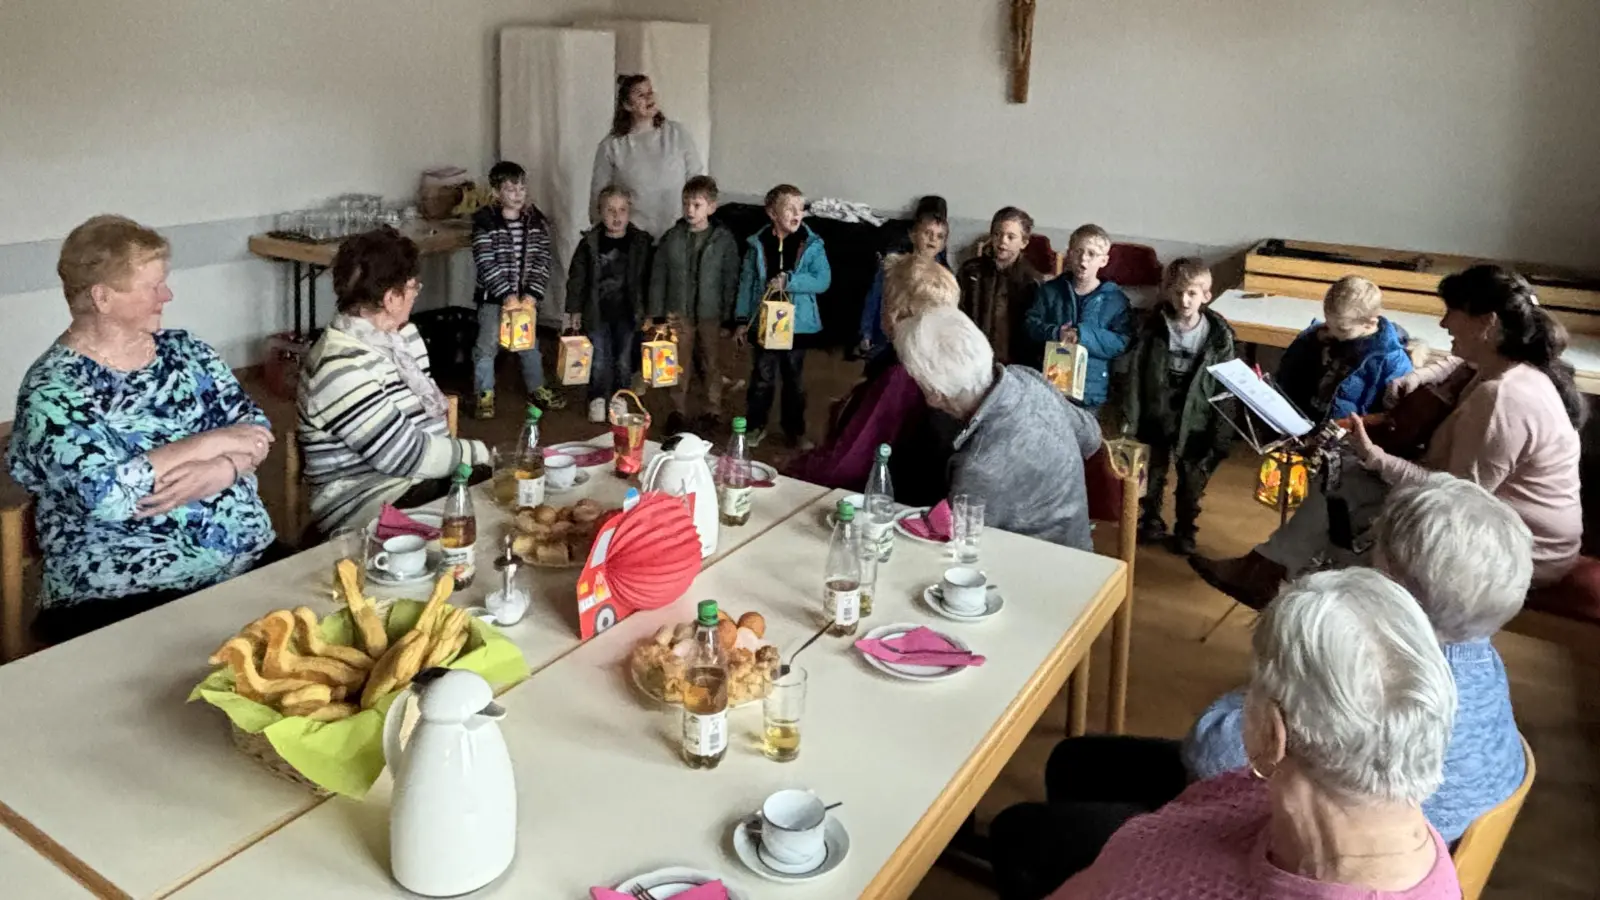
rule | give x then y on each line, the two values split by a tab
1183	539
755	437
1152	530
485	407
548	399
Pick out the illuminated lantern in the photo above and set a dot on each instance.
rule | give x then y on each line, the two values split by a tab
1275	467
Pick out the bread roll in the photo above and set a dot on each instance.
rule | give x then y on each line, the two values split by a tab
545	514
755	622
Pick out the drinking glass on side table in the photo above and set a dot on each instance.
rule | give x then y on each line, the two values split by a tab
780	715
966	527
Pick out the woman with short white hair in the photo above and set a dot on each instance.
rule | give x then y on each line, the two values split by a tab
1020	446
1346	721
1467	559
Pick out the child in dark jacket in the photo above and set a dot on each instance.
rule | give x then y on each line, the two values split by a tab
1167	404
606	286
929	233
998	288
511	252
1077	306
1340	367
694	285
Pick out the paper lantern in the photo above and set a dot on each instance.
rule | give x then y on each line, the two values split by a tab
574	358
1275	467
658	360
775	327
517	321
1129	458
644	557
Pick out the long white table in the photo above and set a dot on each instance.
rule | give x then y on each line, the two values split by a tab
26	875
100	751
603	795
1275	321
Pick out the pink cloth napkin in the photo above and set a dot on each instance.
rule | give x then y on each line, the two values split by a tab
918	647
933	525
394	523
711	890
599	456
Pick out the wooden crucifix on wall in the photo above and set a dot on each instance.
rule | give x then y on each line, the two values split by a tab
1021	48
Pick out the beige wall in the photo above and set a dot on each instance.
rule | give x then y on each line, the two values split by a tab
179	112
1448	125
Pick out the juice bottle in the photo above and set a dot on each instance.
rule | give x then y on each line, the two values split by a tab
459	531
705	698
733	479
530	461
841	587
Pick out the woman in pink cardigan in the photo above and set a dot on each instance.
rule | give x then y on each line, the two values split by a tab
1346	719
1513	431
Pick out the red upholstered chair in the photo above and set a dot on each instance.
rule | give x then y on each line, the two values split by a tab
1567	612
1132	265
1042	256
1112	499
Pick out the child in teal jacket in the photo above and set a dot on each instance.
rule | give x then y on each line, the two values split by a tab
784	256
1077	306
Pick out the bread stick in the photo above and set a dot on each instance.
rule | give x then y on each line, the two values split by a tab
311	638
238	655
305	700
369	626
281	661
435	609
395	669
333	712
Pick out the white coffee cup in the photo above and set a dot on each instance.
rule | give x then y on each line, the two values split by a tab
405	556
791	827
560	471
964	590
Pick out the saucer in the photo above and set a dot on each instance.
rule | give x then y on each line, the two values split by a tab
674	880
933	596
835	845
428	573
579	481
900	527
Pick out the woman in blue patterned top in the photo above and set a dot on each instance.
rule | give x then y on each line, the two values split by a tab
137	444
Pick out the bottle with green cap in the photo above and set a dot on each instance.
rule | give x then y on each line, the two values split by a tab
841	587
880	511
530	461
734	478
705	694
458	533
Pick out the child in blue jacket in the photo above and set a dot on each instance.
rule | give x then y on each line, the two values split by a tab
1077	306
784	256
1340	367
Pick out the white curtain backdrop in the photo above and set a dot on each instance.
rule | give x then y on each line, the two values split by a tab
677	57
557	87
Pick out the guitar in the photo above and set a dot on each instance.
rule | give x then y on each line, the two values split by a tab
1406	430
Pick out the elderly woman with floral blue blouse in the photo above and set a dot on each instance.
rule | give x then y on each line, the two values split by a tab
137	444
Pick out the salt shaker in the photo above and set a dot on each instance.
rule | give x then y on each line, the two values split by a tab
509	604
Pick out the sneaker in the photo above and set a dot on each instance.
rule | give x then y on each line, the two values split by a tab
755	437
1182	543
1152	530
597	411
802	444
485	407
548	399
677	423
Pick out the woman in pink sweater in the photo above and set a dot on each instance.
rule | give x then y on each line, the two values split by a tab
1513	431
1346	720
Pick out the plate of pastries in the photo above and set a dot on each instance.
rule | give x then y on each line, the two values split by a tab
556	537
658	663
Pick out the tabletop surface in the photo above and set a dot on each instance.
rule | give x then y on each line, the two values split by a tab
603	795
430	237
1295	314
112	749
29	876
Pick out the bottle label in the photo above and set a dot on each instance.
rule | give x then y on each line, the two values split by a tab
461	562
736	501
846	606
705	735
530	491
881	536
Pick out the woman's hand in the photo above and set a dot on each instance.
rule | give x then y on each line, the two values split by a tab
252	441
574	321
1400	387
187	483
1362	446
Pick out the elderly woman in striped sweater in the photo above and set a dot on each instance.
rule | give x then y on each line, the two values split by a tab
372	422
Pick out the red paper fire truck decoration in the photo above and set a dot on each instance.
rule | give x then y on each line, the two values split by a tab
644	557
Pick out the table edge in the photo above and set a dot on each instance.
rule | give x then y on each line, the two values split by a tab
60	856
904	870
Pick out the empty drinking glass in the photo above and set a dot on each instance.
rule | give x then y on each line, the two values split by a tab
780	715
966	527
350	543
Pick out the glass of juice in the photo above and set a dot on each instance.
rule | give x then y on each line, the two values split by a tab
780	715
505	475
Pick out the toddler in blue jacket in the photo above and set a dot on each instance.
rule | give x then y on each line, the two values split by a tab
1077	306
1340	367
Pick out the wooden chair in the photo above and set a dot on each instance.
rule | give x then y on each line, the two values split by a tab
18	553
1113	498
1479	847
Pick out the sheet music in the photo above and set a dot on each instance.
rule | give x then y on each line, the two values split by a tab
1261	398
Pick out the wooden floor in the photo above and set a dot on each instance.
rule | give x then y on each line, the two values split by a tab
1551	853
